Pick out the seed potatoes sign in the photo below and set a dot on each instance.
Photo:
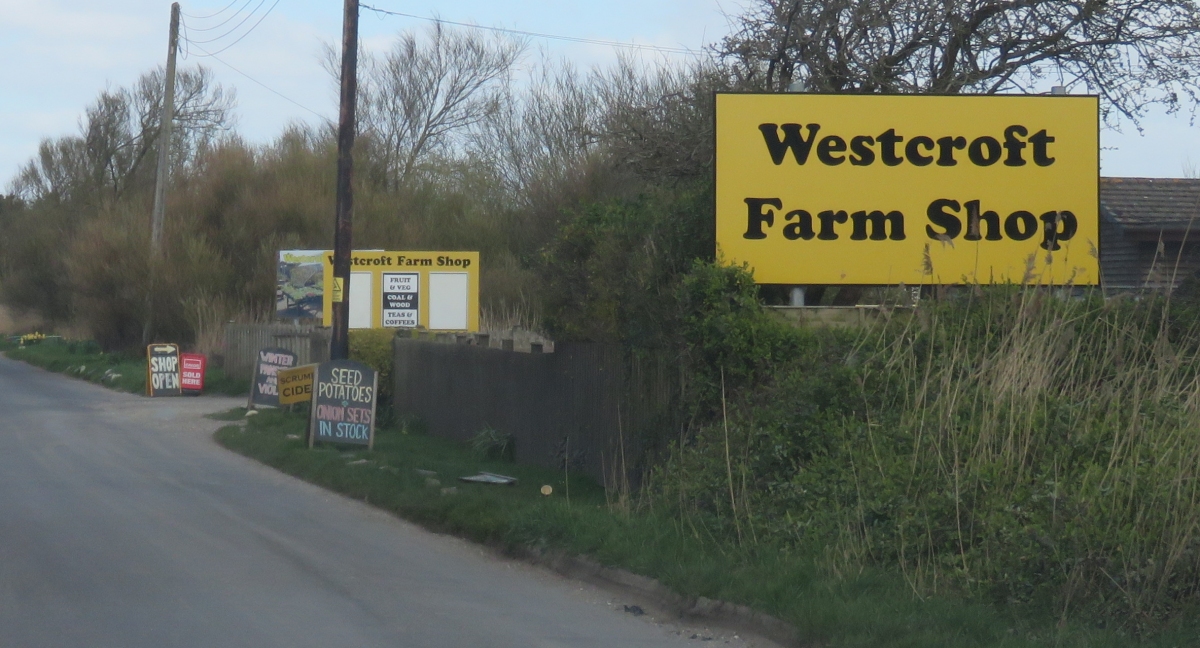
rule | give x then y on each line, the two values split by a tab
871	189
162	370
343	407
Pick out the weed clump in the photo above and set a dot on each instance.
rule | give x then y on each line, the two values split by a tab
1010	444
490	444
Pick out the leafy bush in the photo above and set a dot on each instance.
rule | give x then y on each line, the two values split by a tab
1031	449
612	271
373	347
1011	445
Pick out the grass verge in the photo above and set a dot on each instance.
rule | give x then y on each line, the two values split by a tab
871	608
121	371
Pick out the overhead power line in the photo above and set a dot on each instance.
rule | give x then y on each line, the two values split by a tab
240	23
191	42
518	32
223	22
265	86
211	15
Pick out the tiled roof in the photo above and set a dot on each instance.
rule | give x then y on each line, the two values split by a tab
1151	203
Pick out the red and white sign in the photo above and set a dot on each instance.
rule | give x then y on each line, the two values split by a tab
191	371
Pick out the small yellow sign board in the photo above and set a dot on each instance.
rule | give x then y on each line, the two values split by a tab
437	291
296	385
338	290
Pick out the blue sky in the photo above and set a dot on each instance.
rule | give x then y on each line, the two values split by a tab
61	53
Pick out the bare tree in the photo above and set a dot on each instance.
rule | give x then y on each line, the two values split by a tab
651	119
658	117
423	93
541	133
54	172
203	110
119	133
1132	52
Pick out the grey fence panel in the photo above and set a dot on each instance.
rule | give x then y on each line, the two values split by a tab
243	341
586	405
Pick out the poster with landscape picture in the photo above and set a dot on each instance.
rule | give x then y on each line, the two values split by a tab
298	287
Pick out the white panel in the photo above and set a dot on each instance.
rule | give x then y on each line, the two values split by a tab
448	301
400	303
361	305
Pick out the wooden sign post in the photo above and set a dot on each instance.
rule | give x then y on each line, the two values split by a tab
162	370
344	404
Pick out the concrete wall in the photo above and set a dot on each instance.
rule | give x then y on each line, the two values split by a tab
581	403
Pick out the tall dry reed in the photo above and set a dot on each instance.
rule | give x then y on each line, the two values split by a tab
1021	445
1041	449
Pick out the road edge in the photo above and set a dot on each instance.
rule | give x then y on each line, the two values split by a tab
717	614
720	614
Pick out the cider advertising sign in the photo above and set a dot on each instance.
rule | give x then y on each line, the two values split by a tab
296	385
913	189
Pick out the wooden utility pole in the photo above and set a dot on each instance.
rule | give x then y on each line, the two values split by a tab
339	345
164	138
160	176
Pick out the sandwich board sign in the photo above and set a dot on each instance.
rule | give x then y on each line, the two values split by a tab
344	404
265	390
162	370
192	367
296	385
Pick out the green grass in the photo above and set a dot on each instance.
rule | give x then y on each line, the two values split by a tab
872	608
235	414
121	371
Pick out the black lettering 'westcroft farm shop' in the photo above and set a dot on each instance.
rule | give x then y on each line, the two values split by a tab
1016	146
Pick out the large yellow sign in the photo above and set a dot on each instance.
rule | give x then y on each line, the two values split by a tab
437	291
871	189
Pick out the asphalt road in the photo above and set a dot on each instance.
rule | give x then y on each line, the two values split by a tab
123	524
